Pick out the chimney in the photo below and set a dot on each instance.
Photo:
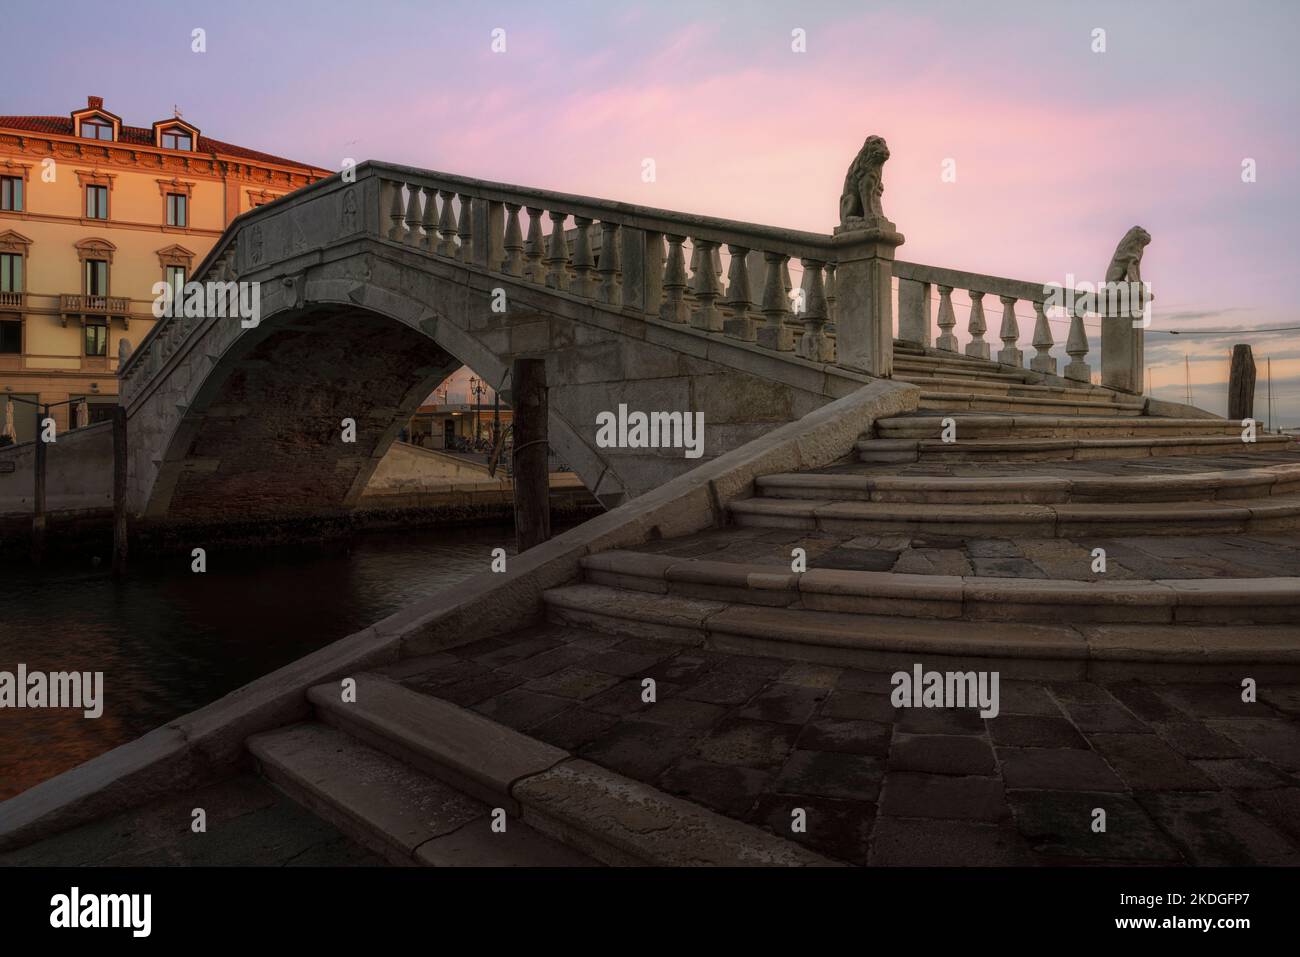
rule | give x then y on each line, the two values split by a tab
95	102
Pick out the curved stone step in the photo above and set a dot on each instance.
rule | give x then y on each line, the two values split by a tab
393	809
1030	651
1231	484
1066	520
971	598
895	450
1014	427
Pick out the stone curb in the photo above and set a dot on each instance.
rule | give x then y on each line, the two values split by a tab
209	743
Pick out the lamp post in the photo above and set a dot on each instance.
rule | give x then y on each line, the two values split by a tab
476	387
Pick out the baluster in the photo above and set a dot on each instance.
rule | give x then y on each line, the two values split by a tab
813	344
776	333
914	311
465	229
947	321
610	291
977	347
513	264
446	225
412	236
430	219
1043	362
740	325
583	259
395	213
533	247
557	256
831	312
706	288
1010	334
675	307
1076	345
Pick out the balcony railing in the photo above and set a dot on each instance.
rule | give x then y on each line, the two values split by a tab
94	305
11	300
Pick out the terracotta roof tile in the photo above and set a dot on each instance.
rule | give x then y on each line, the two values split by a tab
141	136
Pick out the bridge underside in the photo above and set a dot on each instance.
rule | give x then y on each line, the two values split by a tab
265	438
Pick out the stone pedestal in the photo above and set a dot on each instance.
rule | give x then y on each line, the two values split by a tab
1122	359
864	336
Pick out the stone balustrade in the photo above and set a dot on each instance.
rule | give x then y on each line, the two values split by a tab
918	286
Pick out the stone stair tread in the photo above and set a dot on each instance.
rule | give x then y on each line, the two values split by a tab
393	808
465	749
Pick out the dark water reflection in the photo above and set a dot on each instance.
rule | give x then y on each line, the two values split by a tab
169	641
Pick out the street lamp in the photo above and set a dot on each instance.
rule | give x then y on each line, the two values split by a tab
476	386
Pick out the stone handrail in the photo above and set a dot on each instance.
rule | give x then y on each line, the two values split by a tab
628	257
915	280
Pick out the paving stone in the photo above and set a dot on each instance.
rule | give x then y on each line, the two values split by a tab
913	794
872	682
1143	701
751	665
625	664
992	548
1064	769
624	698
1212	828
1059	826
1272	738
727	788
857	559
831	774
1280	807
1192	739
1211	701
1284	698
910	843
573	682
574	728
1103	717
1006	568
648	646
516	651
446	674
810	676
835	827
471	691
940	721
726	688
480	646
521	709
639	749
1023	697
547	662
683	713
594	642
683	669
1146	763
755	744
865	707
846	736
1034	731
788	704
941	754
1242	773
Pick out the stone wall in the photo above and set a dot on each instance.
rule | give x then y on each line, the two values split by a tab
78	472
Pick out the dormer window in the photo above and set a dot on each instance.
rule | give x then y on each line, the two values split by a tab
96	128
175	134
177	140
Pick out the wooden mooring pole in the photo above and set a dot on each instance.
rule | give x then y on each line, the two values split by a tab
1241	384
119	491
531	481
38	489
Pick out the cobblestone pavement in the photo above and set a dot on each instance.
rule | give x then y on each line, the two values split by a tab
1133	557
248	823
1185	773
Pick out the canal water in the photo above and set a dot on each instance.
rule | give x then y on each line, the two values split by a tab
169	640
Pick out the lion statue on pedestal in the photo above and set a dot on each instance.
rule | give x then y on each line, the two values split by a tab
863	186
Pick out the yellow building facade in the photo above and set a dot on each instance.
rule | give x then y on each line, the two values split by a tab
94	213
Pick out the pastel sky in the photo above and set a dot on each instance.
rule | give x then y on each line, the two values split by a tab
1058	149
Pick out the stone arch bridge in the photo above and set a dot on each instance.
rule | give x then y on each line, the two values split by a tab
375	286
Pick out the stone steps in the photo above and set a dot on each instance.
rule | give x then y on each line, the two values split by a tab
968	371
971	598
895	450
1066	520
1020	650
420	779
1010	428
1228	484
958	384
958	402
394	809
